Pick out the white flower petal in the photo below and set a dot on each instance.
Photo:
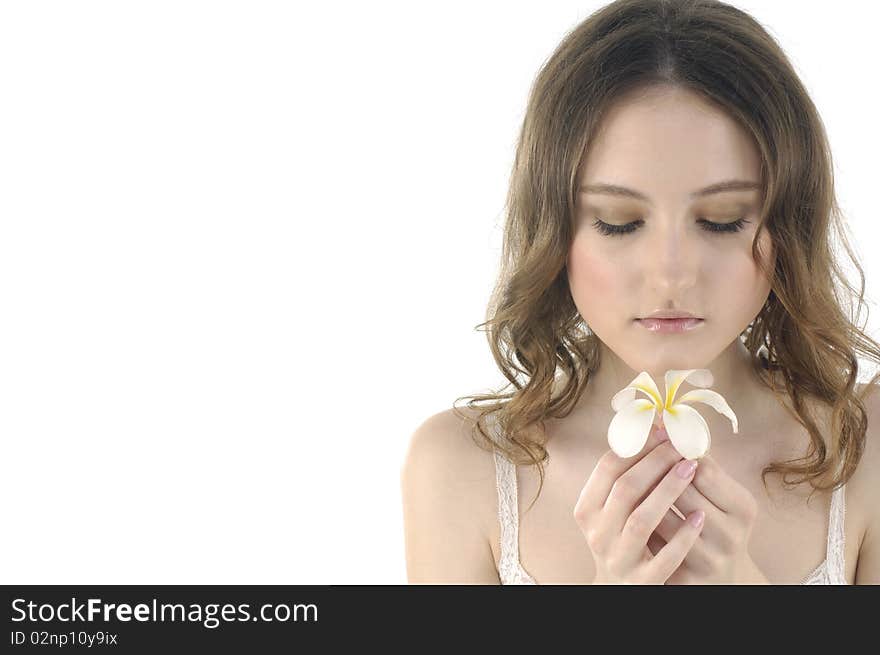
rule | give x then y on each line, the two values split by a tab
642	382
698	377
629	428
687	431
713	399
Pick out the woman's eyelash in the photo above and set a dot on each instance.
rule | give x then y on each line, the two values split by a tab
709	226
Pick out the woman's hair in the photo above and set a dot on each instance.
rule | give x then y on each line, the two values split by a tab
802	333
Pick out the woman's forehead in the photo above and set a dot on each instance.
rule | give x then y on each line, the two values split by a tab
665	138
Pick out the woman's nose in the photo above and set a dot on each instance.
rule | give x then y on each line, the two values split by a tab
671	254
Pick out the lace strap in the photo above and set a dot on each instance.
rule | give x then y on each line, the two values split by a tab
837	537
508	510
510	570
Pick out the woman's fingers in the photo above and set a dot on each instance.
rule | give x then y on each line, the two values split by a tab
634	487
622	503
721	489
608	469
644	519
669	525
667	560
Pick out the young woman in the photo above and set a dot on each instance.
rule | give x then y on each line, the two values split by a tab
670	163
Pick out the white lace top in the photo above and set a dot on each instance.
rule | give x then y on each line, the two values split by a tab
830	571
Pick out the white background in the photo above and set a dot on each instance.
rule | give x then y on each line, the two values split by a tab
243	250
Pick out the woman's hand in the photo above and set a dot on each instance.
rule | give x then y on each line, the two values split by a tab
720	555
623	502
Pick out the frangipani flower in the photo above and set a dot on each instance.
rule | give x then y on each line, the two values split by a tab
629	429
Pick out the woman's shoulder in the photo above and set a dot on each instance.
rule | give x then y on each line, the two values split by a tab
867	472
449	502
444	451
863	487
446	443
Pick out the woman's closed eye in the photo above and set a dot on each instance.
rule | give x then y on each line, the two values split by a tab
709	226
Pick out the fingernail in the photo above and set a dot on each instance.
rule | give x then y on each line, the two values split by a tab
685	468
696	519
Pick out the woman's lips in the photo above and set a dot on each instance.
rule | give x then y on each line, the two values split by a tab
670	325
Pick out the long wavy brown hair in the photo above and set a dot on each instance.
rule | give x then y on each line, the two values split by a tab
806	333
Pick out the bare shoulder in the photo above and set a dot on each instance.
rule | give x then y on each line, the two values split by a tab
448	492
448	438
865	480
864	488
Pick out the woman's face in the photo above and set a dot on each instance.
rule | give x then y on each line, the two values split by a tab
667	144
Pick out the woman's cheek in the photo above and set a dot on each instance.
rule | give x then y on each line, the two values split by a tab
593	280
742	280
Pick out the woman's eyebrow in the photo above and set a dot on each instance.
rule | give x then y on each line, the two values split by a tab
718	187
